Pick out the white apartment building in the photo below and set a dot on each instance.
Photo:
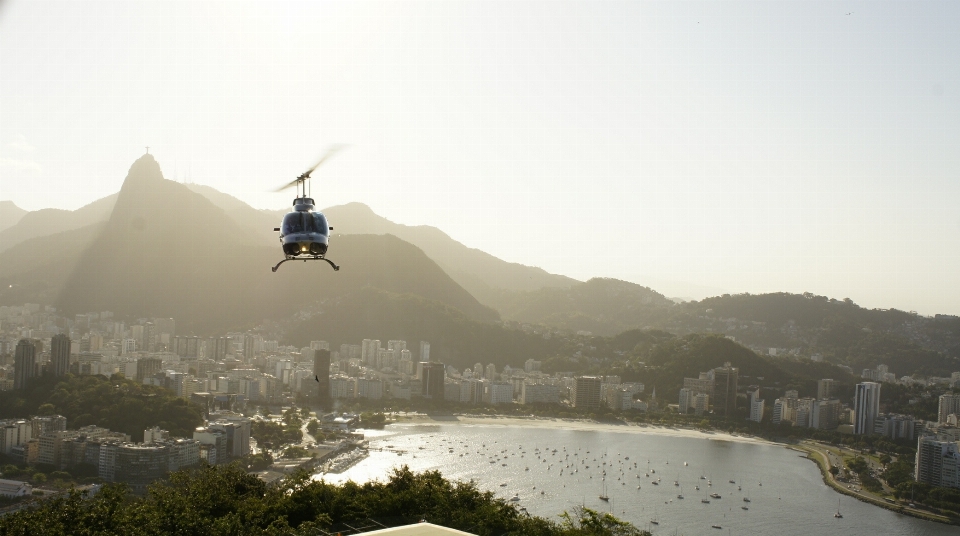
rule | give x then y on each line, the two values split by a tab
539	393
498	393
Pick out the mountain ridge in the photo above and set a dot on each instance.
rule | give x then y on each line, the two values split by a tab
10	214
168	251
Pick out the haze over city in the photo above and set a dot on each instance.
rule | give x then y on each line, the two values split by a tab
696	148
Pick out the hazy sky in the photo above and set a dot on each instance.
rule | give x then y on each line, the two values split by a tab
695	147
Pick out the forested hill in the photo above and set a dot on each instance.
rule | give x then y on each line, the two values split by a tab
839	330
454	338
601	306
115	403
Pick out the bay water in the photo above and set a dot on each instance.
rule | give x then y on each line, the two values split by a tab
549	470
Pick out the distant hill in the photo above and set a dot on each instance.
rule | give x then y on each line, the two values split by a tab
480	273
167	251
602	306
685	357
26	276
839	330
49	221
258	223
455	339
10	214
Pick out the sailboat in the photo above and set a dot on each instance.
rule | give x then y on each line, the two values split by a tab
680	496
838	515
603	494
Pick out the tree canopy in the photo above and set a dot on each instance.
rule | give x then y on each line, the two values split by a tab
116	403
226	500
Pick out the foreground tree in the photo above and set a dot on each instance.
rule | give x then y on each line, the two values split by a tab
226	500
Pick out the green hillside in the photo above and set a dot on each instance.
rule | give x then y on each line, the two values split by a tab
454	338
115	403
601	306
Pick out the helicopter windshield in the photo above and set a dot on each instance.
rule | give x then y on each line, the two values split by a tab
304	222
292	223
315	222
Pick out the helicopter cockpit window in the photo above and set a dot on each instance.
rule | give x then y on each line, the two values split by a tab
292	223
316	223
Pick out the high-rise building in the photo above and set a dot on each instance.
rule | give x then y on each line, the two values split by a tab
24	363
949	405
60	354
139	465
498	393
866	407
896	426
424	351
826	388
701	403
535	393
491	372
321	370
249	346
432	375
804	409
148	366
686	400
725	389
586	392
369	350
756	409
703	384
825	414
937	462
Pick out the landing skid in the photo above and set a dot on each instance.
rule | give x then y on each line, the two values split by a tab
305	259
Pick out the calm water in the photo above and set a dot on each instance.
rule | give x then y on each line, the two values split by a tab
792	500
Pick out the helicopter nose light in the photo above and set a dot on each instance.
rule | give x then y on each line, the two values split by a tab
304	247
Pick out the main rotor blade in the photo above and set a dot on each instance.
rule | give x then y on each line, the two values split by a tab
334	149
287	185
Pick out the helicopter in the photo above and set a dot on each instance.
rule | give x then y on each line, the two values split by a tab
304	232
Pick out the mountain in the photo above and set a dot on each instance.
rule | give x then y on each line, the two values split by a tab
168	251
480	273
669	362
486	277
259	223
49	221
839	330
601	306
26	276
10	214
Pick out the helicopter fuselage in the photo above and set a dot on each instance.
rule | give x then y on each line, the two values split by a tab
304	231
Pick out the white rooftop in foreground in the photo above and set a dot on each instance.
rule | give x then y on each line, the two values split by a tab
420	529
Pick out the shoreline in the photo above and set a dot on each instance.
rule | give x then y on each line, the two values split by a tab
811	453
816	456
576	424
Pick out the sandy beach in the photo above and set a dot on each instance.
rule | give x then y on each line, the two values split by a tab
573	424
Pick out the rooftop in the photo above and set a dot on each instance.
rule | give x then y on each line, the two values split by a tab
419	529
